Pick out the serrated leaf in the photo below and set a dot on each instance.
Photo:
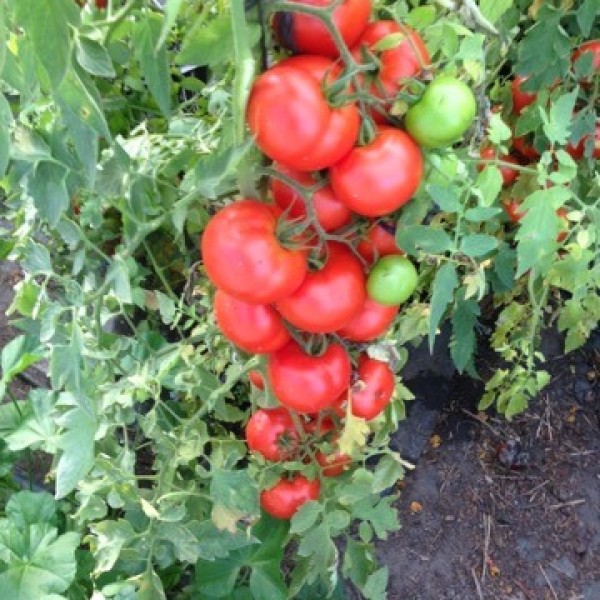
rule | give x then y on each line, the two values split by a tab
444	284
354	434
388	471
420	237
557	122
463	344
477	245
153	59
305	517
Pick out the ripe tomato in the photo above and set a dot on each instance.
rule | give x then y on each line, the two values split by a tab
244	258
392	280
408	57
101	4
256	379
592	46
372	321
271	432
331	212
330	297
525	148
443	114
509	175
254	328
288	495
307	383
305	34
379	240
513	209
293	124
520	98
377	388
578	151
332	464
285	105
380	177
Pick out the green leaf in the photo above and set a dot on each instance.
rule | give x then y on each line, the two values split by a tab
376	585
464	319
153	60
208	43
111	536
492	10
444	284
26	508
557	122
150	586
306	517
267	583
482	213
47	24
94	57
118	275
6	121
171	9
387	473
478	244
234	490
19	354
421	17
66	363
421	237
47	186
36	259
586	16
445	197
77	445
488	185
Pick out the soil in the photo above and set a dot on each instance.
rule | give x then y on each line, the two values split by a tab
494	510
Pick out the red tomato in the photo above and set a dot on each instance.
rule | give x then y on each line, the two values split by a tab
578	151
244	258
288	495
101	4
378	386
380	177
333	464
513	210
271	432
255	328
525	148
307	383
293	124
330	297
379	240
330	211
592	46
509	175
520	98
372	321
287	105
256	379
406	59
305	34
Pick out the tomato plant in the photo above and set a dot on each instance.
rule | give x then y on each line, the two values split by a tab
288	495
271	432
392	280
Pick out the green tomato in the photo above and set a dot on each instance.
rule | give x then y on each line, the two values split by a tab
443	114
392	280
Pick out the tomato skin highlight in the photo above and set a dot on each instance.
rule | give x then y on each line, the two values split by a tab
520	98
509	176
244	258
271	432
308	384
444	112
379	382
330	211
288	495
371	322
380	177
406	60
256	379
330	297
254	328
306	34
379	240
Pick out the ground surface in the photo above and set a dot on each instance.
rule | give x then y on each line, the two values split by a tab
494	510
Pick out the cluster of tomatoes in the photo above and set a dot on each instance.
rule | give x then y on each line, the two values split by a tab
524	152
311	275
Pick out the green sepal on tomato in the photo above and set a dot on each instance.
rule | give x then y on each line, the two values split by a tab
305	383
444	112
244	257
288	495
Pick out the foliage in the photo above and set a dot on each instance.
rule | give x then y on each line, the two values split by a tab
121	131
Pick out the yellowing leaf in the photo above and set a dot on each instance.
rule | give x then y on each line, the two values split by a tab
354	435
226	518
